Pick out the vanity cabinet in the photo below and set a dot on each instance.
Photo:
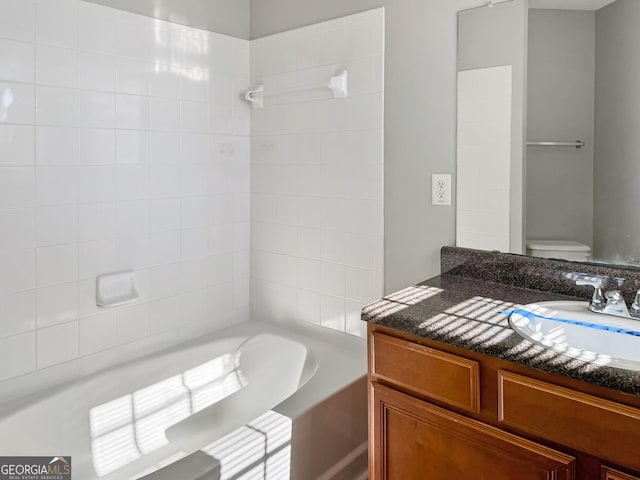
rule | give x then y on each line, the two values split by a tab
439	412
413	439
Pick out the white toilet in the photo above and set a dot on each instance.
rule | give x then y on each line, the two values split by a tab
559	249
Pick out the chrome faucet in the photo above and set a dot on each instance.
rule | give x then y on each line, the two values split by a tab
611	302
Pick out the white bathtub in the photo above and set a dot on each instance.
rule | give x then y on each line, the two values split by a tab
131	420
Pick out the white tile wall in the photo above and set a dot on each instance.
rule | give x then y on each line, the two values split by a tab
123	144
317	174
484	158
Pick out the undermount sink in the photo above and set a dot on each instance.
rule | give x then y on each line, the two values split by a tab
570	328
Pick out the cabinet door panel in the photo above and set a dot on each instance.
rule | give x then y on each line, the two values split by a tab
585	423
411	439
611	474
436	375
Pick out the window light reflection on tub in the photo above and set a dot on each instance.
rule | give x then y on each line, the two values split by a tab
259	450
127	428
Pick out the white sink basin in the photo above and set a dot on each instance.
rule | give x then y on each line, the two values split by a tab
571	329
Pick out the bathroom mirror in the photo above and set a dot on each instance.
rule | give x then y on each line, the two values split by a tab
577	179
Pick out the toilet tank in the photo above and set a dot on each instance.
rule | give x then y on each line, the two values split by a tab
559	249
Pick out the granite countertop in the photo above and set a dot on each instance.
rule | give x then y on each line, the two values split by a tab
469	313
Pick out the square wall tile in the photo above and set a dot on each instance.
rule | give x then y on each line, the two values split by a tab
18	312
96	258
22	103
57	185
56	106
164	247
133	76
57	23
97	184
359	284
164	114
220	300
308	306
164	281
132	112
17	187
18	20
97	333
96	109
132	147
57	344
164	148
193	307
194	117
16	145
164	315
333	279
96	146
220	269
57	304
57	264
18	271
57	225
332	312
132	182
133	323
17	61
132	252
17	229
57	67
354	323
56	146
133	36
165	214
133	218
96	72
164	82
19	354
96	28
96	221
165	181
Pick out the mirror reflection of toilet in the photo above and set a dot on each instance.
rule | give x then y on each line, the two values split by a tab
559	249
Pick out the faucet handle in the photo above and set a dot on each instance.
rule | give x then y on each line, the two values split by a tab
595	281
616	295
635	306
598	282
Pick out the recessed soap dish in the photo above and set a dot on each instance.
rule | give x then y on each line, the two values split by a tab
114	289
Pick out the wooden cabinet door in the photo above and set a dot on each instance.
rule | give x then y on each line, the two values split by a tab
413	440
611	474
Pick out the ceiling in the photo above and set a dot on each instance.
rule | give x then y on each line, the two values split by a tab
570	4
230	17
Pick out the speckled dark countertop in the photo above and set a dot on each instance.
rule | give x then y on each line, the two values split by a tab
462	310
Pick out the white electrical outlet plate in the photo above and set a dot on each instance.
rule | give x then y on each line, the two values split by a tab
441	189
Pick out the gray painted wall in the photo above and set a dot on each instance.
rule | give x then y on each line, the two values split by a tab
420	117
489	37
617	127
230	17
561	83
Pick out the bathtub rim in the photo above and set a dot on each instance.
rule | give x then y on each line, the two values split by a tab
335	359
